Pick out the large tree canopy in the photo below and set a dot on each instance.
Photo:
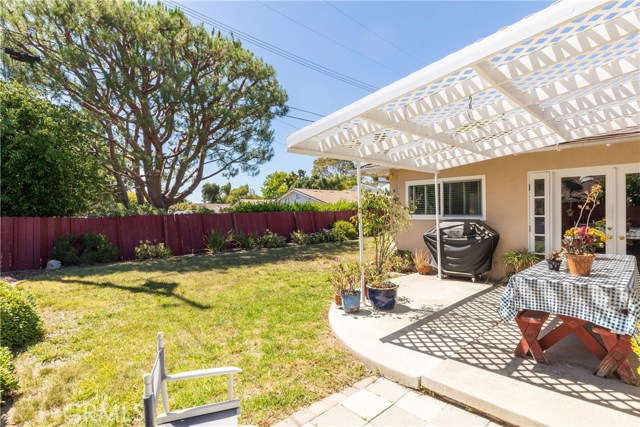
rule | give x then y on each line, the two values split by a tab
48	169
278	183
175	104
326	167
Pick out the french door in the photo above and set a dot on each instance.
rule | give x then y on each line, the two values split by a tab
556	197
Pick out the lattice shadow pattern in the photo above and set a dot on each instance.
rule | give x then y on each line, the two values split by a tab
471	332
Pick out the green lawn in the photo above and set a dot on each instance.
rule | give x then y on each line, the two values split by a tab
264	311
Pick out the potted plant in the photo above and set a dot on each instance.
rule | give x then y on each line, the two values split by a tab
345	281
382	294
579	242
422	260
554	259
383	216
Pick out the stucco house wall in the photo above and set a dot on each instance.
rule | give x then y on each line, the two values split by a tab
506	183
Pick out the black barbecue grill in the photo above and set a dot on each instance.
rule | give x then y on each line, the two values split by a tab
466	247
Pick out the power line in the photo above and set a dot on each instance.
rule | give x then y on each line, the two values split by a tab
376	34
286	123
272	48
299	118
304	111
330	39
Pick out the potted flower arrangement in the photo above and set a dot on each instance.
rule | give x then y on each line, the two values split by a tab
422	260
554	259
579	242
345	281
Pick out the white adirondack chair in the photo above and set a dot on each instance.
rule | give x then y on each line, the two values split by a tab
155	385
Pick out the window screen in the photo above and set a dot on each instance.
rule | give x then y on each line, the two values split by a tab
463	198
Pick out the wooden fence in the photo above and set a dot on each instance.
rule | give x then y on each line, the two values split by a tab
27	243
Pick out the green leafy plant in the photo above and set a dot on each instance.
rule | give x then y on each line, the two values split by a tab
185	206
344	230
400	261
216	241
322	236
87	248
345	276
271	240
245	240
148	250
383	216
519	259
300	238
271	206
8	380
21	324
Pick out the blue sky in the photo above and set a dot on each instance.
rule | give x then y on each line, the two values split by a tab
429	30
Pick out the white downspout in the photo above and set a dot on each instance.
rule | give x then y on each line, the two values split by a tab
438	224
360	233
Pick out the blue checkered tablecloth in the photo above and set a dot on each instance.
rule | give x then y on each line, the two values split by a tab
609	297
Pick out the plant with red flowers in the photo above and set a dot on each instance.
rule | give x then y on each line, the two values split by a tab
581	240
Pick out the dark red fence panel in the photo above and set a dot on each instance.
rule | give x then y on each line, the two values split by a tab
191	231
324	219
6	244
220	222
306	222
282	223
254	222
27	243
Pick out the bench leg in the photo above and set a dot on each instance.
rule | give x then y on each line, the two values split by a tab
529	341
619	349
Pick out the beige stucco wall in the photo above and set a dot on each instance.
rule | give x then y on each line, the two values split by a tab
506	183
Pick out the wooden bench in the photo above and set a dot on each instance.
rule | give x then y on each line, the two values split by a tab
155	385
530	323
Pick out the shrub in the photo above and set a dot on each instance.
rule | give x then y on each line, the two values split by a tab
245	240
19	318
322	236
400	261
148	250
271	240
88	248
267	206
216	241
300	237
188	207
344	230
8	379
519	259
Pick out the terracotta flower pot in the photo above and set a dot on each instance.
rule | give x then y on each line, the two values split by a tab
338	299
425	269
580	265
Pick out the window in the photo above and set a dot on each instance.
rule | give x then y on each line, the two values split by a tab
458	197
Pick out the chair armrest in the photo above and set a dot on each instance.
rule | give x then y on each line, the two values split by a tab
203	373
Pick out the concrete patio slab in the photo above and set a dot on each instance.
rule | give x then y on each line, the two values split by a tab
446	336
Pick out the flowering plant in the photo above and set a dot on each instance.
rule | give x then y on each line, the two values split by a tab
345	276
581	240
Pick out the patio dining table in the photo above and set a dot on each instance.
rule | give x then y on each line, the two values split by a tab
605	304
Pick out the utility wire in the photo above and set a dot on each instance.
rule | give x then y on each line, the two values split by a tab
300	118
287	123
305	111
330	39
376	34
272	48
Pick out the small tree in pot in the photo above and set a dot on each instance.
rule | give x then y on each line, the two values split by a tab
383	216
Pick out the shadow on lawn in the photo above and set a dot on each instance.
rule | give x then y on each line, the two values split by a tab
471	332
227	260
150	287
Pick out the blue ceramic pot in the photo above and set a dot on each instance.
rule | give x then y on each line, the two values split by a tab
351	302
383	299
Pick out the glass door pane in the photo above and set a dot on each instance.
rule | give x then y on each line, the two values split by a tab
632	223
539	213
573	196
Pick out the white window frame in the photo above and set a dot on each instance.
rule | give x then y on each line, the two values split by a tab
441	181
